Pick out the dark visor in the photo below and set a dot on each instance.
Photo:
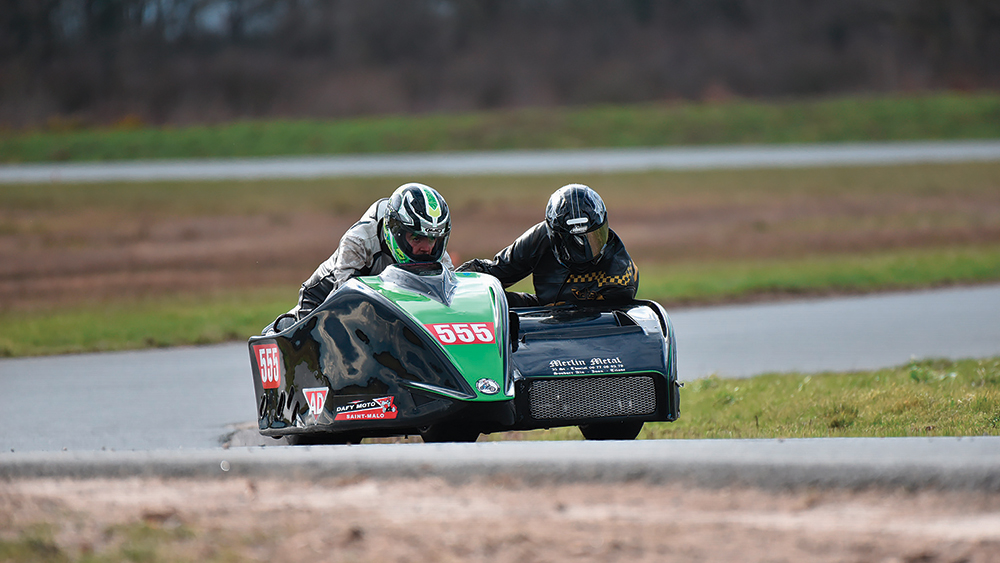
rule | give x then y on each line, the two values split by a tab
584	247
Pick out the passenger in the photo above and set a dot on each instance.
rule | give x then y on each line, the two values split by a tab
411	225
573	256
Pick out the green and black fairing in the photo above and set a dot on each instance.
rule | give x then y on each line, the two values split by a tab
375	359
419	349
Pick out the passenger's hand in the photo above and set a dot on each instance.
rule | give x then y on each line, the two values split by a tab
470	266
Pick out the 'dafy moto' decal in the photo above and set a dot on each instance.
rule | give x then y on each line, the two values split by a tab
378	408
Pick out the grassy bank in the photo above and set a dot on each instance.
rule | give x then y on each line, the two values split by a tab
744	280
942	116
921	398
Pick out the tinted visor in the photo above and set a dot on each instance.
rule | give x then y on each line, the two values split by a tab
582	247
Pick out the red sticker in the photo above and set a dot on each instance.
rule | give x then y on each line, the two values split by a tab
380	408
462	333
268	364
316	397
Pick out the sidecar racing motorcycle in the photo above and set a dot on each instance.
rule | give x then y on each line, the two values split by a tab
423	350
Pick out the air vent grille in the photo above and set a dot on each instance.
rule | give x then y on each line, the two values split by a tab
592	397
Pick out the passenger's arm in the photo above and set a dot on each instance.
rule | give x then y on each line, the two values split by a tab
514	263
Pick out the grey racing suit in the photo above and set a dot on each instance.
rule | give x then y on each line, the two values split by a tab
361	253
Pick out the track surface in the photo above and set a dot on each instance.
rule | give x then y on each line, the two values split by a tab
512	162
971	463
193	397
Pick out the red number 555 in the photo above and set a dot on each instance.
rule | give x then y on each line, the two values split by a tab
462	333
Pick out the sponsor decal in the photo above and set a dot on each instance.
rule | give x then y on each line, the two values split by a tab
606	365
379	408
579	225
487	386
462	333
316	397
587	366
268	364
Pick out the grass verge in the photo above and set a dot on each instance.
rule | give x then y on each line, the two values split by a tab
922	398
745	280
208	318
136	323
139	541
937	116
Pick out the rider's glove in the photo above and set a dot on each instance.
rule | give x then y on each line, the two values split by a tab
475	265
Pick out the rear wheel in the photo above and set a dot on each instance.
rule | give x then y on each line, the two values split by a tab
621	430
449	433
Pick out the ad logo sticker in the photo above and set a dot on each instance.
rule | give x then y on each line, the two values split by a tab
268	364
316	397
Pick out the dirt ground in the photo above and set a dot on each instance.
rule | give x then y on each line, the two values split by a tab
495	520
84	243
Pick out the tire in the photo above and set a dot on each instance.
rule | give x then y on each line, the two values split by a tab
448	433
322	439
621	430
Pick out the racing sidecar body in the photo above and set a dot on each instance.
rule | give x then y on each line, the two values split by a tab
423	350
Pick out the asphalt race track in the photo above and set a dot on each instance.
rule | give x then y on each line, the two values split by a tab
473	163
969	463
839	334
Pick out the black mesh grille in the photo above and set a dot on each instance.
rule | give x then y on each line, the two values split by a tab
592	397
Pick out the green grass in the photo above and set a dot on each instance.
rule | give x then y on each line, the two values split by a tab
134	542
144	323
35	544
937	116
922	398
740	280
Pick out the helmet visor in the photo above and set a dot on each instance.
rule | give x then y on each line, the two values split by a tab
423	248
581	248
410	246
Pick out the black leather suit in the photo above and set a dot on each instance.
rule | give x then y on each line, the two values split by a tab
613	279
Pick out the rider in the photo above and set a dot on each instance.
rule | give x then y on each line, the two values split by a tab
572	256
411	225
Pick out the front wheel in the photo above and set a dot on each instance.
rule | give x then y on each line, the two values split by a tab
621	430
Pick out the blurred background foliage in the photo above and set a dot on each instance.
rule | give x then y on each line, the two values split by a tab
69	64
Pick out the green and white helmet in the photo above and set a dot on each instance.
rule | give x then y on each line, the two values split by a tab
418	210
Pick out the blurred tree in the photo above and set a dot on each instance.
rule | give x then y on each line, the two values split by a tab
207	60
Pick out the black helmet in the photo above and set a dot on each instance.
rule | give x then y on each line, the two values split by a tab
577	223
420	211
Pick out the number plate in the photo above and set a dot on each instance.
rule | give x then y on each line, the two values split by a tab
268	364
462	333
